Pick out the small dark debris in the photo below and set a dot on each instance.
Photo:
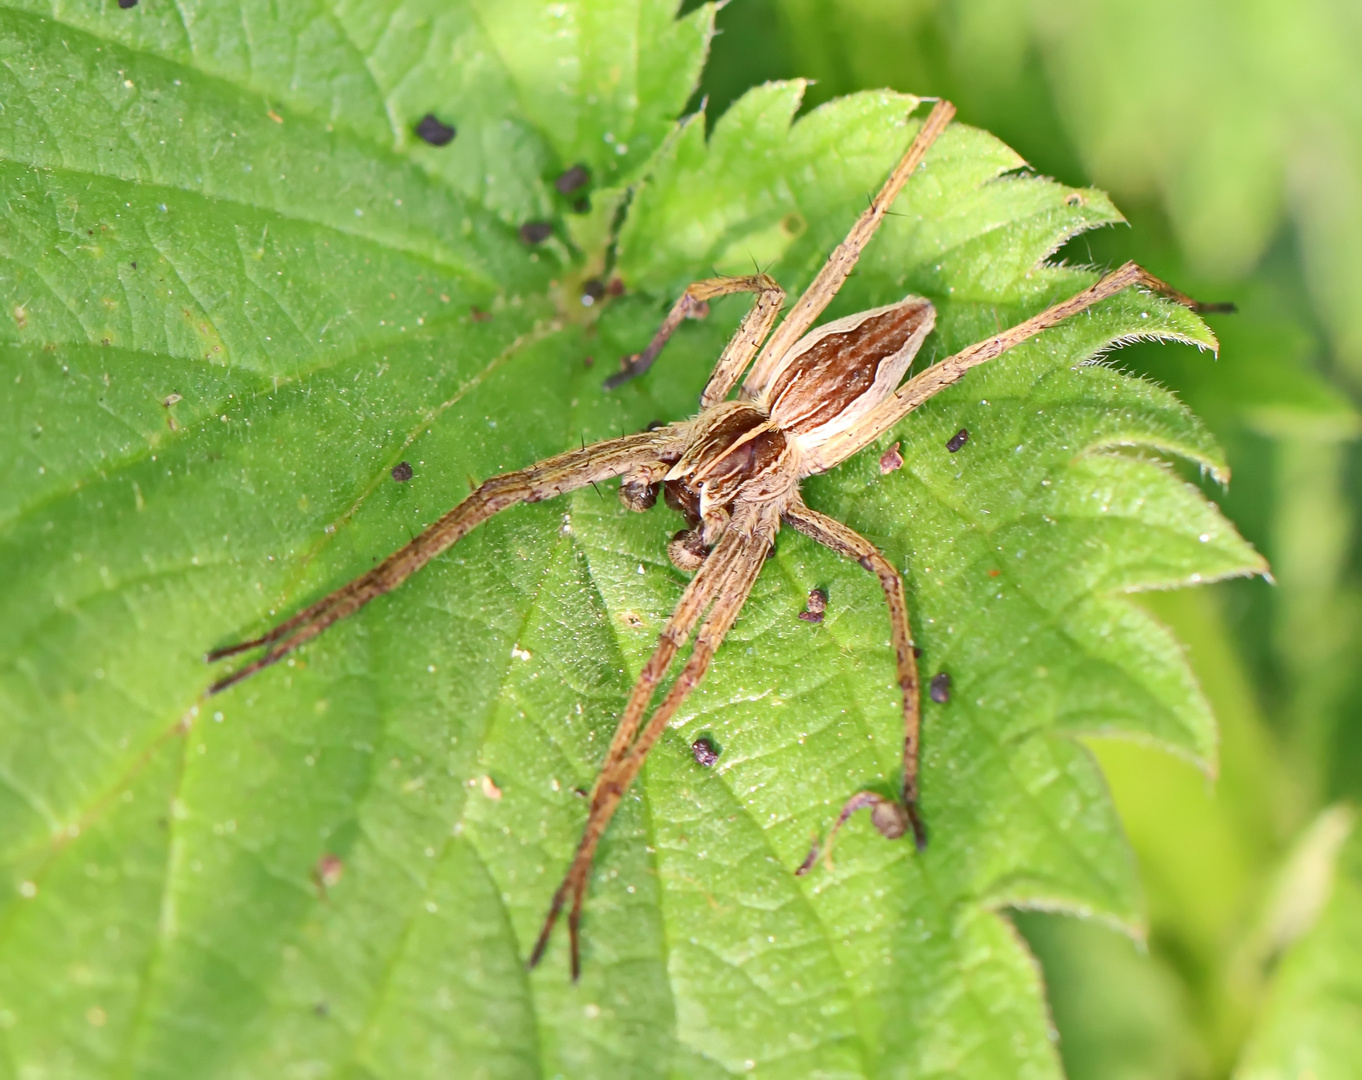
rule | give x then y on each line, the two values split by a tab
536	232
815	849
581	206
434	131
704	751
576	177
402	472
321	1009
615	288
478	315
958	440
941	688
127	4
891	460
592	291
580	792
817	604
653	425
134	265
588	361
917	652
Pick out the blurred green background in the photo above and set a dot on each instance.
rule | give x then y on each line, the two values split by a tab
1230	134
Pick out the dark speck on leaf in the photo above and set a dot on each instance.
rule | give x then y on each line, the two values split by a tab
917	652
941	688
592	291
958	440
587	361
134	266
576	177
478	315
581	206
817	604
535	232
126	4
434	131
402	472
705	752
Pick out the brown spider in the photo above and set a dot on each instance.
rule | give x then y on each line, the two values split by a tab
810	401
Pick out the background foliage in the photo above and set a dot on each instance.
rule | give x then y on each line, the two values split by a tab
239	289
1231	136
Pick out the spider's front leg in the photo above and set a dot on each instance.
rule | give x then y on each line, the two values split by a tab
694	304
649	450
724	580
892	819
927	384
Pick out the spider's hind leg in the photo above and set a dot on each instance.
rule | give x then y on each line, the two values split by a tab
725	580
891	818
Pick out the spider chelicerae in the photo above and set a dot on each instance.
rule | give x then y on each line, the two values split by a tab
811	399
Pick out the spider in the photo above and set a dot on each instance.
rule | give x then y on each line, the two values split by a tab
811	399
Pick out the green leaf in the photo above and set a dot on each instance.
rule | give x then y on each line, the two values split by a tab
337	867
1311	1022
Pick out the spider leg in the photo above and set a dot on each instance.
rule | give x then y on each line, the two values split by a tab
736	560
700	592
930	382
831	533
737	354
548	478
843	259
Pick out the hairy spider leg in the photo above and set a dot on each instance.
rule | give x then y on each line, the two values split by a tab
699	593
846	541
737	354
734	564
759	322
844	257
930	382
553	476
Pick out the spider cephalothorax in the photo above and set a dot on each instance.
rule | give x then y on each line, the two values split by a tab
811	399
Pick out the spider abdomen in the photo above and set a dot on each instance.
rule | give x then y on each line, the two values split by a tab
839	372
